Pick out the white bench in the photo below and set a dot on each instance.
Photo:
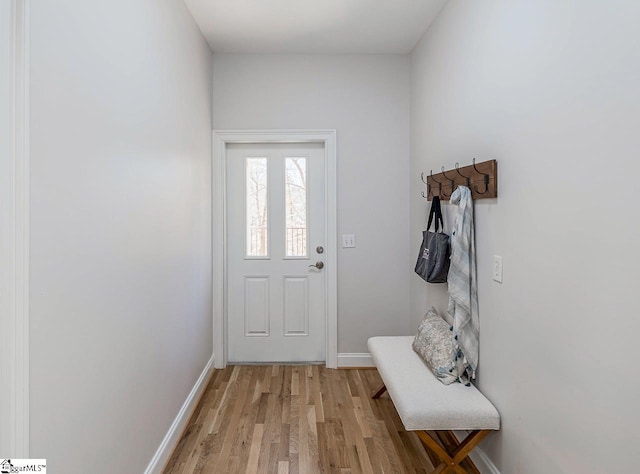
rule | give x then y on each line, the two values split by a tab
425	404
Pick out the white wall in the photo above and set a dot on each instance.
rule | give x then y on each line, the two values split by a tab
549	89
120	209
366	98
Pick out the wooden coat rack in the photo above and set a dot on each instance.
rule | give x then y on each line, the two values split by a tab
481	178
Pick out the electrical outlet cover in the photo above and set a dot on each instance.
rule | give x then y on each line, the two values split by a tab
497	268
348	241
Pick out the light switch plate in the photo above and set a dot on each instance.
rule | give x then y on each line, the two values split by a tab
497	268
348	241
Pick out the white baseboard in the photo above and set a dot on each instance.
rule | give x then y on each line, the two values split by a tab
172	437
355	359
479	457
483	462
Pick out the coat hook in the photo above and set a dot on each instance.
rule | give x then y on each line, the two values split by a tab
439	183
428	186
453	184
465	177
486	179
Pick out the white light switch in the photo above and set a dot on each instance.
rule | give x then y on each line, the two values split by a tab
348	241
497	268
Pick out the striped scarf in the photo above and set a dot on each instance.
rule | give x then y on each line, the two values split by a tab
463	283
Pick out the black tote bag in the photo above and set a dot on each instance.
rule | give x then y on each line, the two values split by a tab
434	256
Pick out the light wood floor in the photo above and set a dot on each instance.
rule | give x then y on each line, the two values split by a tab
296	419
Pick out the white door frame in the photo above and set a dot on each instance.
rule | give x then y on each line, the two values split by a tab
14	228
221	138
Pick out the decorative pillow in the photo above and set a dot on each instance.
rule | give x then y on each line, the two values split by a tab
435	344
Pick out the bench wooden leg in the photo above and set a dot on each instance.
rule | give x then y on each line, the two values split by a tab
451	459
378	393
450	442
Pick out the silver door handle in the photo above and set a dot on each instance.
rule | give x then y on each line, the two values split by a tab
319	265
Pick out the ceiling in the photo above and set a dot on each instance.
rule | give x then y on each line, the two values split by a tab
313	26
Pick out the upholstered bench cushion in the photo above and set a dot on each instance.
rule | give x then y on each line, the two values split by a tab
424	403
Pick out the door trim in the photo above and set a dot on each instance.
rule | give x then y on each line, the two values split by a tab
221	138
14	227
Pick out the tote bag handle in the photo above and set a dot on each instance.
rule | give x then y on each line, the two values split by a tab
436	211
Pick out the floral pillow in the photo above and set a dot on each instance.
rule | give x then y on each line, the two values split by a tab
435	344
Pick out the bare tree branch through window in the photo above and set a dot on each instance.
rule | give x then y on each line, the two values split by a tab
257	212
296	206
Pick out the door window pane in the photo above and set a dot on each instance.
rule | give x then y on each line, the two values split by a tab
296	206
257	212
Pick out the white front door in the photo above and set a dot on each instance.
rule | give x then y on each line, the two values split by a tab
275	237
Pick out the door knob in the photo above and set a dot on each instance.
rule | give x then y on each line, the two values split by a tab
319	265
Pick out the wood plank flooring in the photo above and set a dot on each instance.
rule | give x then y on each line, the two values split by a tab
296	419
